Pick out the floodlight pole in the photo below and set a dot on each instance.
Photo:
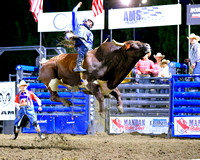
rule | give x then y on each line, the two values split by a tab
178	38
189	32
178	30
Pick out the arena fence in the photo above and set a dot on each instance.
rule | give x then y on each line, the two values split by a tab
143	112
185	106
56	118
146	106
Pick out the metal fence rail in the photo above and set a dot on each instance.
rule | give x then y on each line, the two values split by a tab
184	107
152	102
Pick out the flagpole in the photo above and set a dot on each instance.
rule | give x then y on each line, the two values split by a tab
101	36
41	46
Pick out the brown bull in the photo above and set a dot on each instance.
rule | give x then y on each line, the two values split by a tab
107	66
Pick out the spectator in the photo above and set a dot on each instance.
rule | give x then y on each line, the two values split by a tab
164	74
194	54
24	103
144	69
158	58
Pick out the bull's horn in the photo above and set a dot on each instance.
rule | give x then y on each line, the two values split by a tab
43	61
117	43
105	40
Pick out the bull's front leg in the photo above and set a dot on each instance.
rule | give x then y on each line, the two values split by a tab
96	91
53	88
116	93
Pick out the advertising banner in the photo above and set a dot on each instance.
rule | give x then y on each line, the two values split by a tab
147	125
145	16
7	100
186	125
193	14
62	21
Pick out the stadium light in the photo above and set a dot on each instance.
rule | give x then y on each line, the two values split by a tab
144	1
125	2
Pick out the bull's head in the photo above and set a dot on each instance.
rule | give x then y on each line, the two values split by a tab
140	49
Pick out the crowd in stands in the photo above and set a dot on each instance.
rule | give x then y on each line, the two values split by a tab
146	68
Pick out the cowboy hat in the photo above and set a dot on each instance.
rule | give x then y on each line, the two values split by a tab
22	83
194	36
164	61
159	55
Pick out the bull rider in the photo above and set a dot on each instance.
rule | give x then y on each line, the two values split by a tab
82	36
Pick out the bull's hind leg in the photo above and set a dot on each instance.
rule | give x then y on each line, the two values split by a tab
116	93
96	91
53	88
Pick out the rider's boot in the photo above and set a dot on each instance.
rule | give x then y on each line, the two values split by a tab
78	67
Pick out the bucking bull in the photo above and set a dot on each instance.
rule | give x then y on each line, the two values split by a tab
107	66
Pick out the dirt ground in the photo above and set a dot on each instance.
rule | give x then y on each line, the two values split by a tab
97	147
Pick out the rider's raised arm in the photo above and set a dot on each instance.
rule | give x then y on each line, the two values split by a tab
75	23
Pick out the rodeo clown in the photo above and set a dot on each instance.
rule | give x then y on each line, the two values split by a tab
24	102
82	36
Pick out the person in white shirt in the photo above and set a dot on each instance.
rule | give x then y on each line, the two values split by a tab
164	73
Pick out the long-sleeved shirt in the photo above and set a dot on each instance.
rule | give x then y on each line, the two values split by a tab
27	96
157	69
82	31
144	65
195	53
165	72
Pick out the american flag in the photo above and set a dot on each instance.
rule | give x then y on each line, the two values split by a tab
97	7
36	8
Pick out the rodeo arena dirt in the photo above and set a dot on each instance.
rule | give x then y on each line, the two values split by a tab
97	147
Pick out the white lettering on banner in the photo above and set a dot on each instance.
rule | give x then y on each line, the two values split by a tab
155	125
187	125
7	98
62	21
194	10
145	16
